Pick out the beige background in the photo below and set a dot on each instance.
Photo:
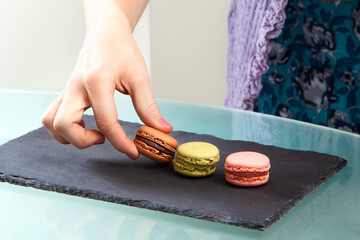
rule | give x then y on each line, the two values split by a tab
39	43
185	50
189	47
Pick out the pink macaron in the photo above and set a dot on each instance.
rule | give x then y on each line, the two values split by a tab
247	169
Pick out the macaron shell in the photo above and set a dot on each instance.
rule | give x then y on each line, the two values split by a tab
152	153
198	150
247	161
158	137
247	182
200	153
191	172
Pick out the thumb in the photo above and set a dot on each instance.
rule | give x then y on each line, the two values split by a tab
146	107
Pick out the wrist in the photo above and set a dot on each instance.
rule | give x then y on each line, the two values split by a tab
126	11
105	14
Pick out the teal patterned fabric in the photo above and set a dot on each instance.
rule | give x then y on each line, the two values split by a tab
315	65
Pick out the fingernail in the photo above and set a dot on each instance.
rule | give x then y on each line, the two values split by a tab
131	156
100	141
164	122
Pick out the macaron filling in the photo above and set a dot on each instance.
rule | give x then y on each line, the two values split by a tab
246	174
192	172
203	161
157	140
253	180
155	145
197	167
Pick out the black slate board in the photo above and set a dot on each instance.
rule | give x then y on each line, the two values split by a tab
100	172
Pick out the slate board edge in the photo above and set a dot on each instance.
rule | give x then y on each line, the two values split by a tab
140	203
309	190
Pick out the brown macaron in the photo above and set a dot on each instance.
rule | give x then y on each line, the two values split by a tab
155	144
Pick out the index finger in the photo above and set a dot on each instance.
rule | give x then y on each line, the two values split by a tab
102	101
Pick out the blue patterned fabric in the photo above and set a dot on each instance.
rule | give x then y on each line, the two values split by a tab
315	65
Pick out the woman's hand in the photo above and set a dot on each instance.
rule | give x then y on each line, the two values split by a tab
109	60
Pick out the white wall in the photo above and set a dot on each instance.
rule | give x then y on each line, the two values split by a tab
40	41
189	49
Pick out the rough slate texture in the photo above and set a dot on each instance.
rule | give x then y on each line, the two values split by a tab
100	172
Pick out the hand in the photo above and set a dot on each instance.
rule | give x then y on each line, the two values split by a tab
109	60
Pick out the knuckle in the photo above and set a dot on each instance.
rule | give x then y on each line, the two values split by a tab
140	77
46	121
59	124
94	77
105	125
151	108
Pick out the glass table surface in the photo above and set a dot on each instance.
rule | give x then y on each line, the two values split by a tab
331	212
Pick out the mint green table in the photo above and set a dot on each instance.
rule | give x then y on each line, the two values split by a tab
331	212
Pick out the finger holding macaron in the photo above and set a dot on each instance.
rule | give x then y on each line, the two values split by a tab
155	144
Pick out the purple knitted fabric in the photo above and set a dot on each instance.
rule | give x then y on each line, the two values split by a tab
251	23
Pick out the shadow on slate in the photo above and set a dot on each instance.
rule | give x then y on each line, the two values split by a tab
100	172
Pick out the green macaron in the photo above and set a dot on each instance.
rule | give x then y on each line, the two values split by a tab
196	159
